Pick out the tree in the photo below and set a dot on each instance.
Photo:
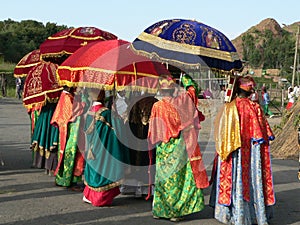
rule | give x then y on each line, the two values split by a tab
19	38
264	50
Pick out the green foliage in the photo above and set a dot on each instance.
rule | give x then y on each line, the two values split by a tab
19	38
11	92
7	67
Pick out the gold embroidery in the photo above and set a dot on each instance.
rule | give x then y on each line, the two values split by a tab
90	153
47	155
227	130
195	158
187	48
98	116
105	188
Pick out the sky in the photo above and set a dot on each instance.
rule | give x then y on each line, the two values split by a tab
128	18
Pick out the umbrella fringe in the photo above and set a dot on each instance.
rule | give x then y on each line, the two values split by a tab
107	87
41	103
183	65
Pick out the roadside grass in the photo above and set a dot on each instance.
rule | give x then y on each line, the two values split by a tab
7	69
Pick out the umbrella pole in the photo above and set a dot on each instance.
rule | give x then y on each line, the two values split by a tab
114	97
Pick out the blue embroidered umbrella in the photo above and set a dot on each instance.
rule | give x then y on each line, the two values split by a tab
190	44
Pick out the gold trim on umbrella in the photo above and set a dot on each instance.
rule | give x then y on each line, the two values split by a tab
41	103
106	86
186	48
155	56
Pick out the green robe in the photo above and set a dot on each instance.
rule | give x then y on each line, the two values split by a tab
71	167
106	157
65	176
175	194
45	137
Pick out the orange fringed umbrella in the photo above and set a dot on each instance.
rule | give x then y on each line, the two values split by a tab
66	42
110	65
28	61
41	85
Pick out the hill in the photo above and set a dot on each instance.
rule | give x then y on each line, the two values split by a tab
268	45
266	24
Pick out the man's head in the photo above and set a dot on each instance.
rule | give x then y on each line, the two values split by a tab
166	85
246	85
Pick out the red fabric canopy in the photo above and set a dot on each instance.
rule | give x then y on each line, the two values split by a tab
110	65
41	85
66	42
28	61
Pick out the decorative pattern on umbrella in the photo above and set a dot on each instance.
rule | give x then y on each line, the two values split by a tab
66	42
28	61
188	43
110	65
41	85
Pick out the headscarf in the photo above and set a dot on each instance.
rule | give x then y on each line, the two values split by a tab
187	81
246	83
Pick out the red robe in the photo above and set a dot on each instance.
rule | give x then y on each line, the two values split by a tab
253	125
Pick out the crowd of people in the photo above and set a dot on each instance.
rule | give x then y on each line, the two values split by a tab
101	144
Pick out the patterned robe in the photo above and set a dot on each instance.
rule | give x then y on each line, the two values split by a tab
242	179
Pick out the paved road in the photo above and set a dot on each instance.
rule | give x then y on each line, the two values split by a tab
28	196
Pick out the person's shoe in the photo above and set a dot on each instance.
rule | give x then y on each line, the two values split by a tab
271	116
86	200
156	217
176	219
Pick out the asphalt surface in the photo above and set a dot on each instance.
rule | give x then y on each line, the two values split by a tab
28	196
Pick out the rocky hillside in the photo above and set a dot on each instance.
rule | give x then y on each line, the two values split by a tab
266	24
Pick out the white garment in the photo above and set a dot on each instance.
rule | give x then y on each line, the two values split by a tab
121	105
291	97
222	95
96	103
296	91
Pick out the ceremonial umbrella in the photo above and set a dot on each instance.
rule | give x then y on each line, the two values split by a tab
59	46
189	44
110	65
41	85
28	61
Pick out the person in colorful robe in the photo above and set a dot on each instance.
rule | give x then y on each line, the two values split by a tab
291	98
191	86
68	117
180	173
266	102
105	155
45	140
242	181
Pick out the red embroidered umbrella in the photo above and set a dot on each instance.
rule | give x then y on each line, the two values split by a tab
66	42
41	85
110	65
28	61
